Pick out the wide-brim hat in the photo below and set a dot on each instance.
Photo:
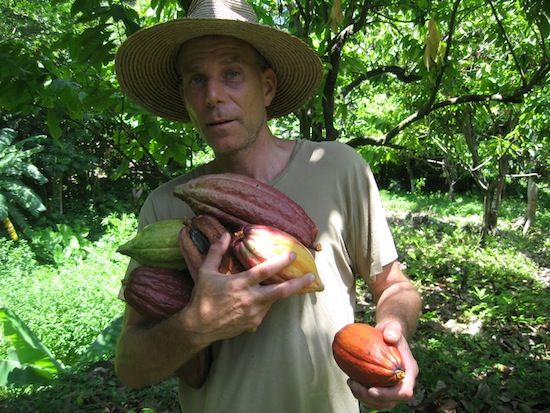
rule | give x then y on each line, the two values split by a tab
146	61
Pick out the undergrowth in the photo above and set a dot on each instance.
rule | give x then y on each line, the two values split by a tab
481	344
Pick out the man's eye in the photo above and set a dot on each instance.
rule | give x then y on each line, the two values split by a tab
233	74
195	80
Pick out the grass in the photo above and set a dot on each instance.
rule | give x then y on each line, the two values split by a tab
482	342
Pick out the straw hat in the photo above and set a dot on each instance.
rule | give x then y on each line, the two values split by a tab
146	69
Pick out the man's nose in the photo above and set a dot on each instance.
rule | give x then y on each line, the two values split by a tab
214	93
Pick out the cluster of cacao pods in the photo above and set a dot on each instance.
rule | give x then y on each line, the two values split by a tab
361	352
264	223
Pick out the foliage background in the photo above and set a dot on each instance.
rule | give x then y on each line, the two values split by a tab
447	100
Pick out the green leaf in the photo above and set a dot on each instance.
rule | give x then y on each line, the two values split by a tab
13	373
4	210
31	359
54	124
24	195
105	342
8	160
33	172
6	137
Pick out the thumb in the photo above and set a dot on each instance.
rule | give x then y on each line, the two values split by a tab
392	331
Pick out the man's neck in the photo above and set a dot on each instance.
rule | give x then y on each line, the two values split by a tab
263	160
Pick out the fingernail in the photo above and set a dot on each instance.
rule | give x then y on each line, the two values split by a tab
374	392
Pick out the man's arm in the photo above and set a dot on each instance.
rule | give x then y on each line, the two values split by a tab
220	307
398	306
396	299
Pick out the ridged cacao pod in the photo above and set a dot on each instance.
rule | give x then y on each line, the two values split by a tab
157	293
156	245
255	244
237	200
361	352
195	370
195	239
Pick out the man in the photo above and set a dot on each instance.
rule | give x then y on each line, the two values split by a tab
228	75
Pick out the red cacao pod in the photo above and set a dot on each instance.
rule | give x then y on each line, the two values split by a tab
361	352
158	293
238	200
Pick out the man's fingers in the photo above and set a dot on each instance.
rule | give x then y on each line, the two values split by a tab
261	272
267	269
289	287
215	253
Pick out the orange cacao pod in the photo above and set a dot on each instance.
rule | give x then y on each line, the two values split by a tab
237	200
361	352
255	244
195	239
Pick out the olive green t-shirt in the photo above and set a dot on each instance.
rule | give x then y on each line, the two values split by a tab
287	366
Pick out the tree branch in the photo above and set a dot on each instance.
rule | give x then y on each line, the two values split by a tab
399	72
515	97
507	40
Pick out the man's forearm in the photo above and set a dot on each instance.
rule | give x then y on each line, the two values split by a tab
400	302
149	353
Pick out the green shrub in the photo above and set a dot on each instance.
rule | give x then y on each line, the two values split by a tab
68	306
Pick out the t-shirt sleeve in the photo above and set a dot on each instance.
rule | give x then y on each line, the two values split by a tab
371	243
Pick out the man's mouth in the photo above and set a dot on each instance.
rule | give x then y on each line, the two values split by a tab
219	122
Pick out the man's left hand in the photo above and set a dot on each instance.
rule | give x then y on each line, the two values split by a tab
380	398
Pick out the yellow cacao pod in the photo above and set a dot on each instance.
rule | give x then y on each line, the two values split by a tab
255	244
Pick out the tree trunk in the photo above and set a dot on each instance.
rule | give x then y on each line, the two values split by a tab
492	197
411	175
450	177
532	197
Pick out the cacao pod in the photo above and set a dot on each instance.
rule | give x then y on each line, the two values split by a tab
238	200
195	370
158	293
361	352
156	245
195	239
255	244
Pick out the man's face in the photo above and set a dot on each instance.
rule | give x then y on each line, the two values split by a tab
224	91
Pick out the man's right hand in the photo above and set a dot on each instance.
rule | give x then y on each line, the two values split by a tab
224	306
221	306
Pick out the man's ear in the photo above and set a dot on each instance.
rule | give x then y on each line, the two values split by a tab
270	85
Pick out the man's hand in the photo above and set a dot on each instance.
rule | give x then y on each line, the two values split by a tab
387	397
224	306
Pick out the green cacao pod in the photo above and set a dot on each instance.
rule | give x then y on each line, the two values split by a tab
156	245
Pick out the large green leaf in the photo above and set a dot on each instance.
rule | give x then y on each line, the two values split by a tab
4	210
24	195
30	360
33	172
13	373
6	137
105	342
